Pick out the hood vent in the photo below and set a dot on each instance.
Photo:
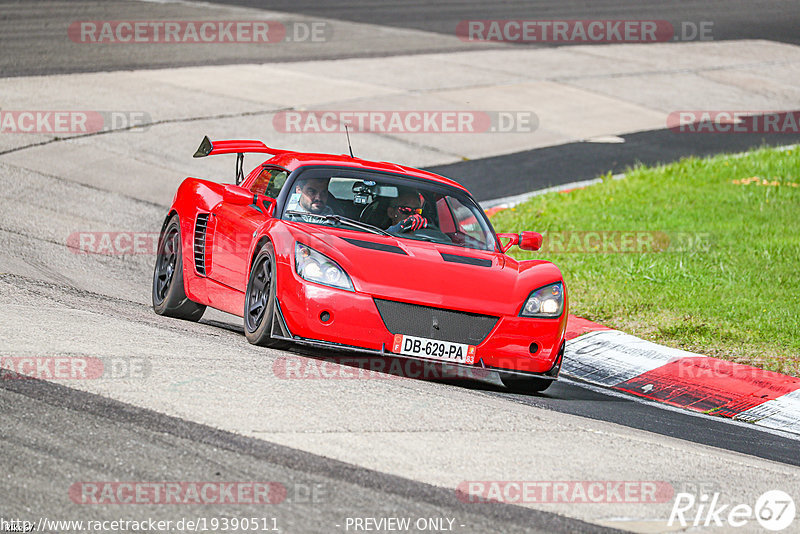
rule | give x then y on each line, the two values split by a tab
384	247
468	260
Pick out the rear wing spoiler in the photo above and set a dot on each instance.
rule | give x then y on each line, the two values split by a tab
238	147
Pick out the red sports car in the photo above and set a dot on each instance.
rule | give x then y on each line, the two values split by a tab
339	252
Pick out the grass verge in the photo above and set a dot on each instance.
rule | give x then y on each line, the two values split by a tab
701	254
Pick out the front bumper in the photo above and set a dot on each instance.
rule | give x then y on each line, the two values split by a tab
321	316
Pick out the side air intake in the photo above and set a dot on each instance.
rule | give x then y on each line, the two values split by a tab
200	229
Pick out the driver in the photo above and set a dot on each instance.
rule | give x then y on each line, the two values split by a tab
313	196
405	212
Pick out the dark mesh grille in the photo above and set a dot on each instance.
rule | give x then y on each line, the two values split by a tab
435	323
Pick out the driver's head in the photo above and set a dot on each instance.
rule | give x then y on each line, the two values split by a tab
313	194
407	203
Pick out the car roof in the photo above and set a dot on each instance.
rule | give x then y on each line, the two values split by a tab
295	160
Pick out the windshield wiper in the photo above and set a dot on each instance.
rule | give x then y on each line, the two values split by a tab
340	219
358	224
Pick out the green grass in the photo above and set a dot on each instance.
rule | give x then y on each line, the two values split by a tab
734	293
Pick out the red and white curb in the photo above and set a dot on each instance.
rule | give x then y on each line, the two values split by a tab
615	360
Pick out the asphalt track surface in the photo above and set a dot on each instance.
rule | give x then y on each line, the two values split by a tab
515	174
85	433
53	435
570	397
32	32
738	19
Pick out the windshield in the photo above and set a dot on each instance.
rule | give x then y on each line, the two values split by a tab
403	207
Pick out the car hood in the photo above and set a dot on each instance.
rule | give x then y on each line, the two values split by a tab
432	274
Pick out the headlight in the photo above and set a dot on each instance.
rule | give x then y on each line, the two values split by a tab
316	267
547	301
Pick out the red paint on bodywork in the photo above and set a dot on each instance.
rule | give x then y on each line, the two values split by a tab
420	276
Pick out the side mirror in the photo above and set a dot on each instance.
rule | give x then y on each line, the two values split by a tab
513	239
237	195
525	240
530	240
266	204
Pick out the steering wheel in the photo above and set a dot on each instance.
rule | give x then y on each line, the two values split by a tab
433	233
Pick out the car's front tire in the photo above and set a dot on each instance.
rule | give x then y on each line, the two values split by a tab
525	384
169	296
259	300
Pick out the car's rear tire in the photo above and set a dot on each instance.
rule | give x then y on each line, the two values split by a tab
169	296
525	384
259	300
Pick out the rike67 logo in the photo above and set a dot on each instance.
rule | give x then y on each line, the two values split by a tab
774	511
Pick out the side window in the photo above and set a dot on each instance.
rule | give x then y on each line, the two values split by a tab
446	223
269	182
467	223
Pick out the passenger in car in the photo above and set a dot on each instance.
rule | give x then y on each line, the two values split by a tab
405	212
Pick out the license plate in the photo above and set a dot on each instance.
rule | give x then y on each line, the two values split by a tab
433	348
